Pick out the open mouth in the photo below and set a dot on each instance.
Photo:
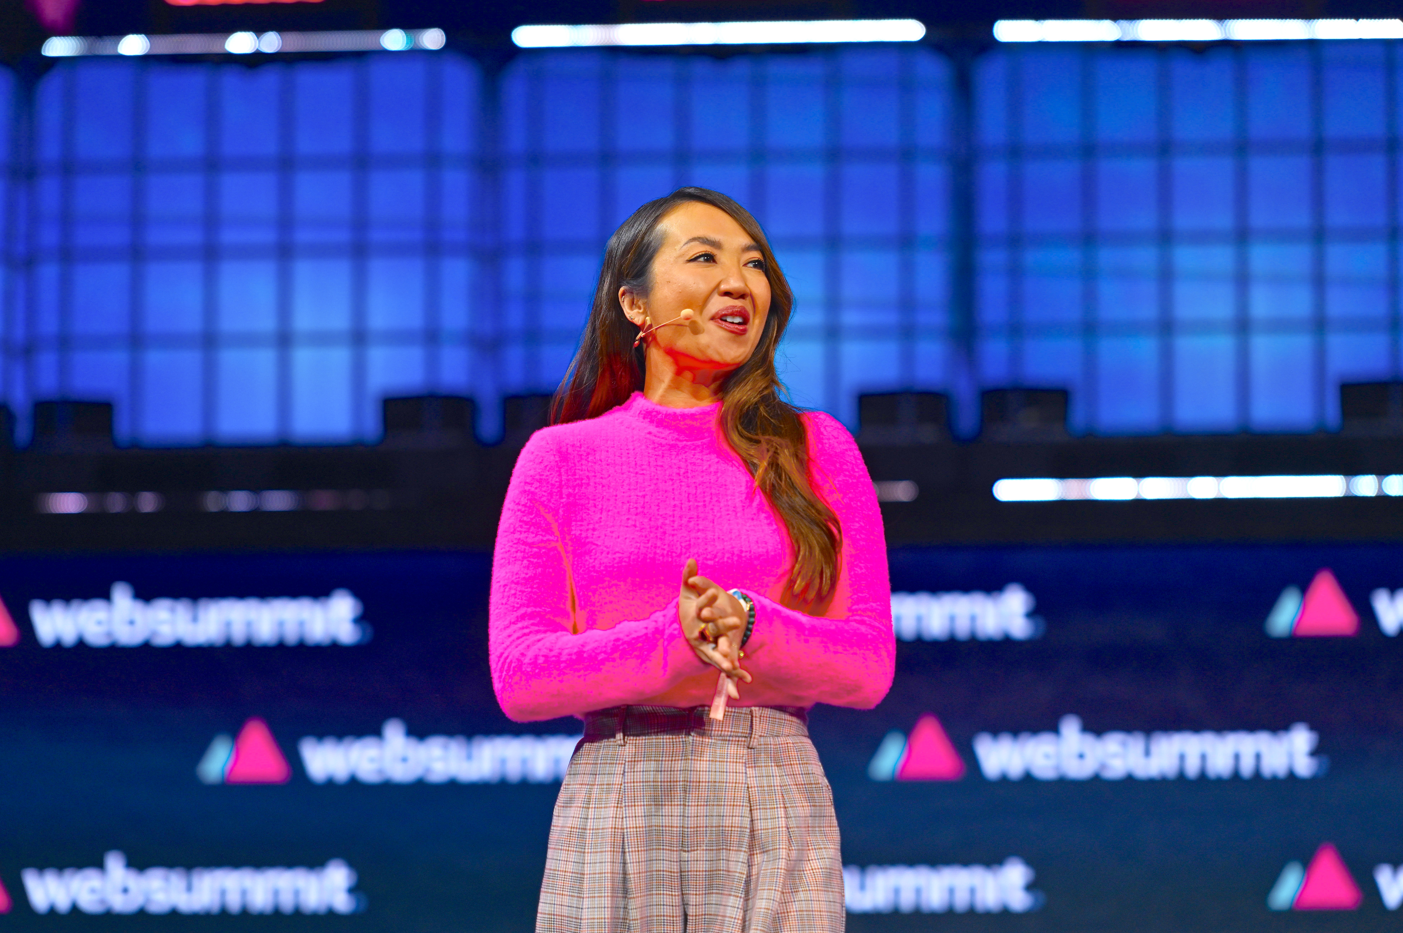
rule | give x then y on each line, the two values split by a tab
735	319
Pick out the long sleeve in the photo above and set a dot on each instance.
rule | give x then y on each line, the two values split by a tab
543	665
846	657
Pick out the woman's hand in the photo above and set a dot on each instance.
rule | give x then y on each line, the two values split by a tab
713	622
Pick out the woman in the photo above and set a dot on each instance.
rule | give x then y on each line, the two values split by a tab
678	520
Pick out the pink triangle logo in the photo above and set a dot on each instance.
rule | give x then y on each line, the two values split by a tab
257	758
1325	610
929	755
5	903
9	632
1328	884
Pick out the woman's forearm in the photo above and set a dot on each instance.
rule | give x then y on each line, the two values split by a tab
843	662
541	671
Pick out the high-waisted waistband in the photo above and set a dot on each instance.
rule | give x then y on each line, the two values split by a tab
745	723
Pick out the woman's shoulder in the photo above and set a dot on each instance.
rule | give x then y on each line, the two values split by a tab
834	458
827	434
551	441
546	443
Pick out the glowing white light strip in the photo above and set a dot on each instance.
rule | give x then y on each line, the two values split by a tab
901	490
215	500
76	503
1193	30
823	31
247	43
1125	488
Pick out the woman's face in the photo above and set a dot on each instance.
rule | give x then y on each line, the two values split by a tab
708	263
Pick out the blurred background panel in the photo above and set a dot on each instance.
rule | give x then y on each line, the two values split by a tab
1186	240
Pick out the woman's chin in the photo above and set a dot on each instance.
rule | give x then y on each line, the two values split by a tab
712	364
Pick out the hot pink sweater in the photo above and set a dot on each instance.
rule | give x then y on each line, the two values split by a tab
599	520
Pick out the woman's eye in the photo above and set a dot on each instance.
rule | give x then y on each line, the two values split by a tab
757	264
704	257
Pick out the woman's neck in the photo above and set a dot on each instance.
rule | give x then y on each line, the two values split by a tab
666	383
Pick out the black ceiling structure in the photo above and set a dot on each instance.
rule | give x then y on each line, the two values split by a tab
485	28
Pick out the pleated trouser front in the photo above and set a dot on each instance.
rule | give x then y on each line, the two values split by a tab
669	821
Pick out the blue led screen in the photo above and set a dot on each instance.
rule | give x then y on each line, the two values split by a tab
1078	739
1187	240
1194	241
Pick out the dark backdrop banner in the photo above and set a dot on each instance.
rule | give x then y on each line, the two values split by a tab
1079	738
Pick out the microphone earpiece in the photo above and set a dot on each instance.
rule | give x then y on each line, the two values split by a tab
688	316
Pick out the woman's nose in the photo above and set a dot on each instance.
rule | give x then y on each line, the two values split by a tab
733	282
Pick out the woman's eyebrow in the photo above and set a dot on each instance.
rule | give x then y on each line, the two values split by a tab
716	244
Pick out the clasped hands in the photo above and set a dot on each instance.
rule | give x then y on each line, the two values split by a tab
713	622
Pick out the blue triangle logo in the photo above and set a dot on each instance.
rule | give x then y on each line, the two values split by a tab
1283	893
1282	618
215	763
888	757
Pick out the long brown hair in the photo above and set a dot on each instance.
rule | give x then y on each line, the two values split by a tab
765	431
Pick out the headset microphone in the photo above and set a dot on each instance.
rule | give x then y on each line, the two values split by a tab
688	316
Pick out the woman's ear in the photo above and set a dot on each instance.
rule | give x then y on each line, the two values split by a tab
633	307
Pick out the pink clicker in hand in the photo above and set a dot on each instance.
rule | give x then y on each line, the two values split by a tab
718	702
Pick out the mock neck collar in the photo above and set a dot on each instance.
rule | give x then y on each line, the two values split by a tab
683	423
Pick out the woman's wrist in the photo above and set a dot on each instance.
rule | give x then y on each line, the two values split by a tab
749	605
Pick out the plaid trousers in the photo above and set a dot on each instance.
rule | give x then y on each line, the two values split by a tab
669	822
